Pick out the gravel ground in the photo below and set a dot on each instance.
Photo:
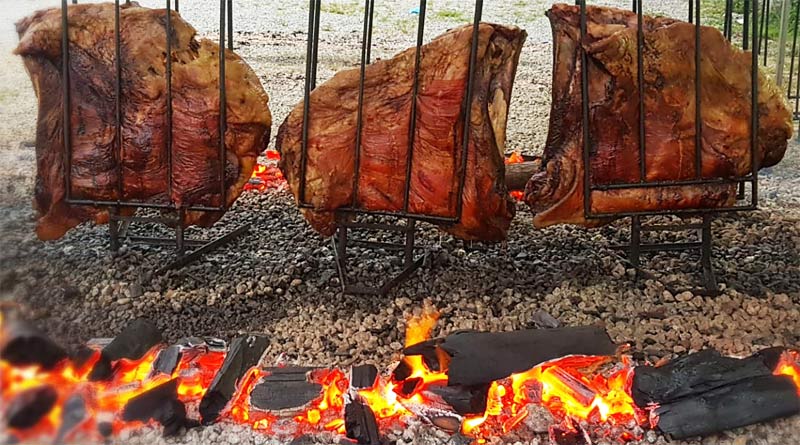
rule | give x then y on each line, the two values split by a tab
281	278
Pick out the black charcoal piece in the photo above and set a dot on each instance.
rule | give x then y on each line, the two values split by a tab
464	400
244	353
168	360
363	376
746	402
285	388
402	371
28	407
478	358
360	424
692	375
132	343
23	344
160	404
105	429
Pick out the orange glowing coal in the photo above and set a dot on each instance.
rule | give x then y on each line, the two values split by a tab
789	365
267	176
515	158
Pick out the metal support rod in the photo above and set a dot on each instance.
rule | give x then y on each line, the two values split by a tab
113	229
310	81
204	249
365	43
119	155
587	143
179	233
408	256
698	94
746	26
640	80
793	57
168	75
754	148
785	12
230	25
66	115
223	106
467	107
177	6
412	124
708	270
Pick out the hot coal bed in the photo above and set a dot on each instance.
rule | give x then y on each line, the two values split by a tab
568	385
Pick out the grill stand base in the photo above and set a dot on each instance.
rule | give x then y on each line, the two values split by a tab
346	225
636	248
187	250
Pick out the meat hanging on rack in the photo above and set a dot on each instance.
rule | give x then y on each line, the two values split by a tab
436	156
140	168
556	192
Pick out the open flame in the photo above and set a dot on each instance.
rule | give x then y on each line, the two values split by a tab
582	393
267	176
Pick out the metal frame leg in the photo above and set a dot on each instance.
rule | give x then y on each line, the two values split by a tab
709	277
347	225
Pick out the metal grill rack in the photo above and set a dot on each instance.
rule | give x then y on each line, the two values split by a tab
171	214
404	220
638	219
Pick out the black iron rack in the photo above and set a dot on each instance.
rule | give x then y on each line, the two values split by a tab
171	214
638	224
404	220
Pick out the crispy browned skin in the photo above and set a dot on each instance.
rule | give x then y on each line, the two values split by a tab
195	93
487	209
556	193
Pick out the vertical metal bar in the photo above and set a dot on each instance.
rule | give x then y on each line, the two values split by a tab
746	26
762	30
74	2
113	228
315	59
784	30
708	270
178	6
698	89
766	31
168	22
230	25
412	124
634	253
365	42
408	254
369	36
794	55
640	79
180	245
467	107
118	102
587	143
754	149
65	113
310	80
223	106
725	22
341	253
691	11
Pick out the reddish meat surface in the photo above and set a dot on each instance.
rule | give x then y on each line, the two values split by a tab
437	142
556	192
144	156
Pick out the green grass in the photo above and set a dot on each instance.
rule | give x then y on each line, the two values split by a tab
449	14
341	8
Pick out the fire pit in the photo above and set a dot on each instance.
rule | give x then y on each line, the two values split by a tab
571	384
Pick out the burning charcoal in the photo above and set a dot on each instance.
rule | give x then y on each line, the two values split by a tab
30	406
73	414
244	353
770	356
285	388
23	344
543	320
363	376
360	424
168	360
746	402
160	404
478	358
569	435
463	400
132	344
692	375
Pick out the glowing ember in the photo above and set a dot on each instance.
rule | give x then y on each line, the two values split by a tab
515	158
267	176
790	365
